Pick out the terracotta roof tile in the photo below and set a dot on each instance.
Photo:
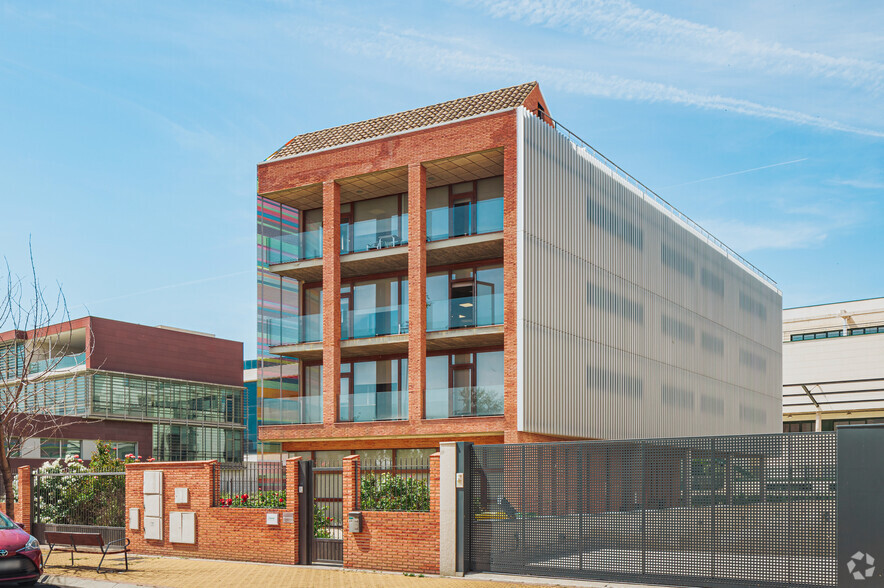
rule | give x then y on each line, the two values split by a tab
404	121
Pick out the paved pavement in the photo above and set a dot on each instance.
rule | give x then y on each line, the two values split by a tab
171	572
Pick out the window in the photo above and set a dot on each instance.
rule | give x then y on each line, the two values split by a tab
464	384
13	445
123	448
59	448
798	427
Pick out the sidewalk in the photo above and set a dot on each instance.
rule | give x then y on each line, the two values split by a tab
170	572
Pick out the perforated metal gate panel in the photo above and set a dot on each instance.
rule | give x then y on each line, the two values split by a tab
729	511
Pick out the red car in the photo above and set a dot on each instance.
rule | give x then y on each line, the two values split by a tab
21	561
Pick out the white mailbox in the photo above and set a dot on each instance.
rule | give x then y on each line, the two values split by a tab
133	519
182	527
272	518
180	495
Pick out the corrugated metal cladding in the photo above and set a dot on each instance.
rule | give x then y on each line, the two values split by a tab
630	324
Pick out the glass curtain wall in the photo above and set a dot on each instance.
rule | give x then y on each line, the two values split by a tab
464	384
374	390
279	239
465	297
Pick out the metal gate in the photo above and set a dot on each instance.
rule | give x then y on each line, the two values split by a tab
79	502
710	511
321	514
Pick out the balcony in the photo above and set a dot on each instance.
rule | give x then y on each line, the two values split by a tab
444	403
303	410
374	331
58	363
466	321
298	336
298	255
369	405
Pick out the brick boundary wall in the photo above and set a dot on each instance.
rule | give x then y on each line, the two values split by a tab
228	533
392	541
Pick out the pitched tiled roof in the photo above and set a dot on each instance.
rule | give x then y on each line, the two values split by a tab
408	120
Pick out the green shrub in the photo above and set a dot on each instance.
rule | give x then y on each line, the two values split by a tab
389	492
321	521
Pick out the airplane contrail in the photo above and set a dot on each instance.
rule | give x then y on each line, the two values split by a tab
736	173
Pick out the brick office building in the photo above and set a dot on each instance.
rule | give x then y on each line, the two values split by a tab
152	391
467	271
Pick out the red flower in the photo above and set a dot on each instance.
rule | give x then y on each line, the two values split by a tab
245	497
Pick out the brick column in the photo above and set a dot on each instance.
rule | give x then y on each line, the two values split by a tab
434	482
350	486
23	515
510	267
292	500
417	289
331	300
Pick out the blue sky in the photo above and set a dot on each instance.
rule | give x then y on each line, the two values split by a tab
130	131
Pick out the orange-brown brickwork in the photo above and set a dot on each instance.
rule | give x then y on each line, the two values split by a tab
392	541
221	532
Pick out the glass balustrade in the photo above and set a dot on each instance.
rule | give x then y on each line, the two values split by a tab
371	405
373	322
444	403
471	311
58	363
295	247
370	234
293	330
484	216
299	410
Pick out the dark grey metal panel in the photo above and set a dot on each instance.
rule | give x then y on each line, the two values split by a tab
860	505
750	510
305	511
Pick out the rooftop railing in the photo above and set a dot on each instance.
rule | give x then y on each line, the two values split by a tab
649	194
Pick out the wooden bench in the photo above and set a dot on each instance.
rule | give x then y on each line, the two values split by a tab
71	542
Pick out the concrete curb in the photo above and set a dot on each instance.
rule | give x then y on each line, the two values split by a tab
86	583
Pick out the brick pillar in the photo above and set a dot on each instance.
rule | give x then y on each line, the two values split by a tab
331	300
23	515
292	500
351	486
417	289
510	265
434	482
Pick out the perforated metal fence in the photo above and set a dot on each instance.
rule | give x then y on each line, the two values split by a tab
713	511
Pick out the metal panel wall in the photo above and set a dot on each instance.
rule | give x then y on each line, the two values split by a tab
631	323
750	510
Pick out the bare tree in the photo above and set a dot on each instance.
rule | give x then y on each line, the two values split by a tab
40	352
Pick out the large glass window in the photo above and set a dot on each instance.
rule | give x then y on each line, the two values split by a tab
465	208
123	448
466	297
59	448
375	307
464	384
311	234
379	223
374	390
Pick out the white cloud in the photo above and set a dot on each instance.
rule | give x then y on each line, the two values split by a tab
660	33
745	237
426	52
861	184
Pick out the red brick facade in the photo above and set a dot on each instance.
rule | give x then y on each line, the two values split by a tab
22	506
221	532
392	541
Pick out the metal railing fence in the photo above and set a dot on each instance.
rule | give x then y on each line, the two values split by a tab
403	485
256	484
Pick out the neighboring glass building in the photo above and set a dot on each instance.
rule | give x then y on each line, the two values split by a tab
153	391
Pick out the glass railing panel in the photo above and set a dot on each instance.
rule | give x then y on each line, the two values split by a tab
457	313
489	216
442	223
373	234
373	322
295	247
293	330
298	411
370	405
58	363
444	403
